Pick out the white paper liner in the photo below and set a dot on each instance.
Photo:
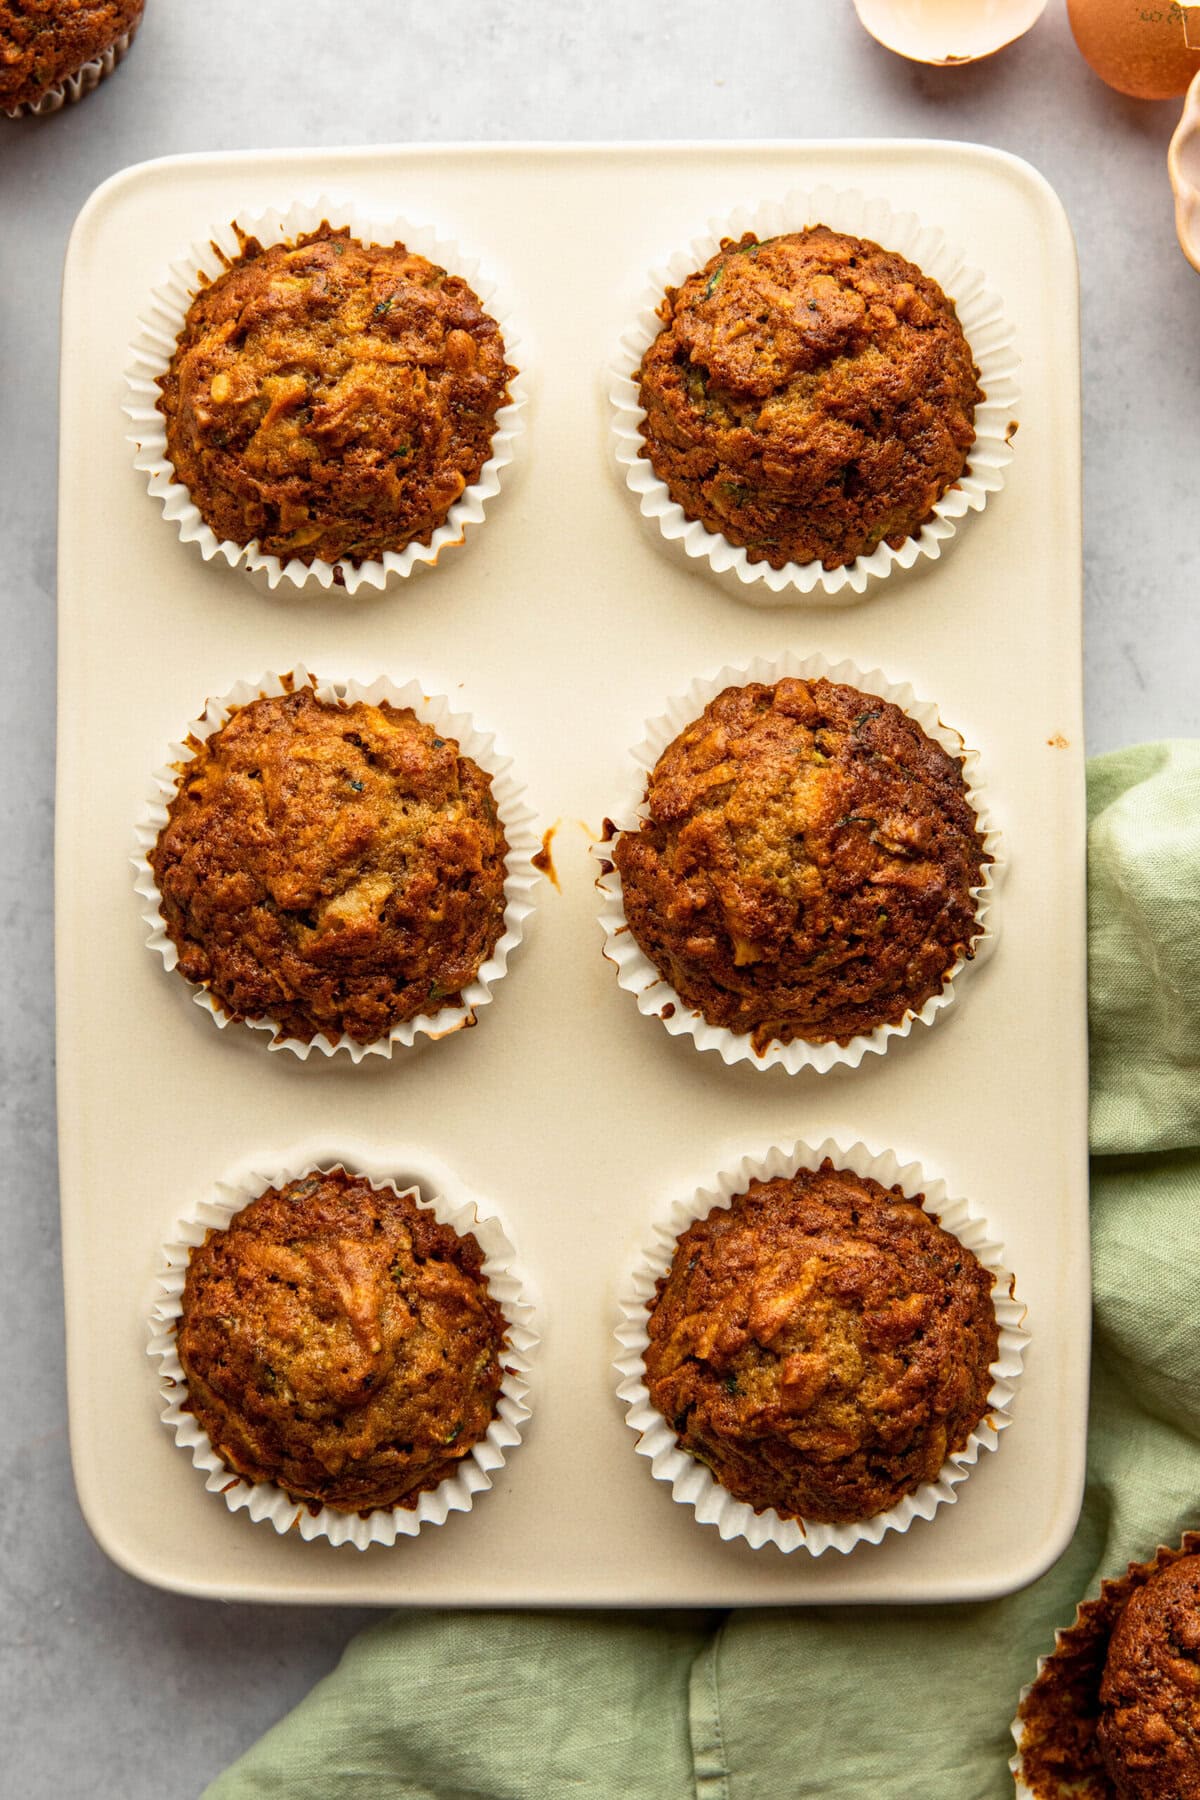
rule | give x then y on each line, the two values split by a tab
154	345
516	816
653	992
691	1481
73	87
451	1205
981	316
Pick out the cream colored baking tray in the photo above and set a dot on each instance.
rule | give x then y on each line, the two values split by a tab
562	625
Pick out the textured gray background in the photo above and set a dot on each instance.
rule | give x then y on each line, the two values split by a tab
98	1675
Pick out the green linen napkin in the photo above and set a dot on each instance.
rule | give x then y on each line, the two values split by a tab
853	1703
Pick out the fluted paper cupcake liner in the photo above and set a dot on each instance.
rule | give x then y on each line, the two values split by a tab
154	345
73	87
433	1188
515	814
690	1481
1189	1546
652	990
992	342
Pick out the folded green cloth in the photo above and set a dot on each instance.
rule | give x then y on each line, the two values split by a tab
853	1703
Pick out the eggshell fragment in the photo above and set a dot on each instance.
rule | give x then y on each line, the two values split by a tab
1183	163
947	31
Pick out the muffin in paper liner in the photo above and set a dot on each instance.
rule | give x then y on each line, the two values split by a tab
154	345
430	1186
655	996
691	1482
516	816
1080	1652
89	75
992	343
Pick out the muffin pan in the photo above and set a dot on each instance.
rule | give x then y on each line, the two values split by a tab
565	623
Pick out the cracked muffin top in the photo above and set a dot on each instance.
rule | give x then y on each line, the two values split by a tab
332	399
340	1342
806	866
808	397
333	867
44	41
822	1345
1114	1713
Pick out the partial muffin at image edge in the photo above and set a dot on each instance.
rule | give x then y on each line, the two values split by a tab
340	1342
809	396
331	400
806	863
822	1345
1114	1713
332	867
43	43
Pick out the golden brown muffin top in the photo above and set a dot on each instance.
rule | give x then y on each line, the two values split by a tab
331	399
809	396
1150	1695
807	864
339	1341
822	1344
333	867
44	41
1113	1713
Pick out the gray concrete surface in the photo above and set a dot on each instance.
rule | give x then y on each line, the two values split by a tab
111	1689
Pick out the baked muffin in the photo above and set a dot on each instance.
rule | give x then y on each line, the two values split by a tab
806	867
332	867
341	1342
808	397
43	42
1115	1711
332	399
1150	1695
822	1345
